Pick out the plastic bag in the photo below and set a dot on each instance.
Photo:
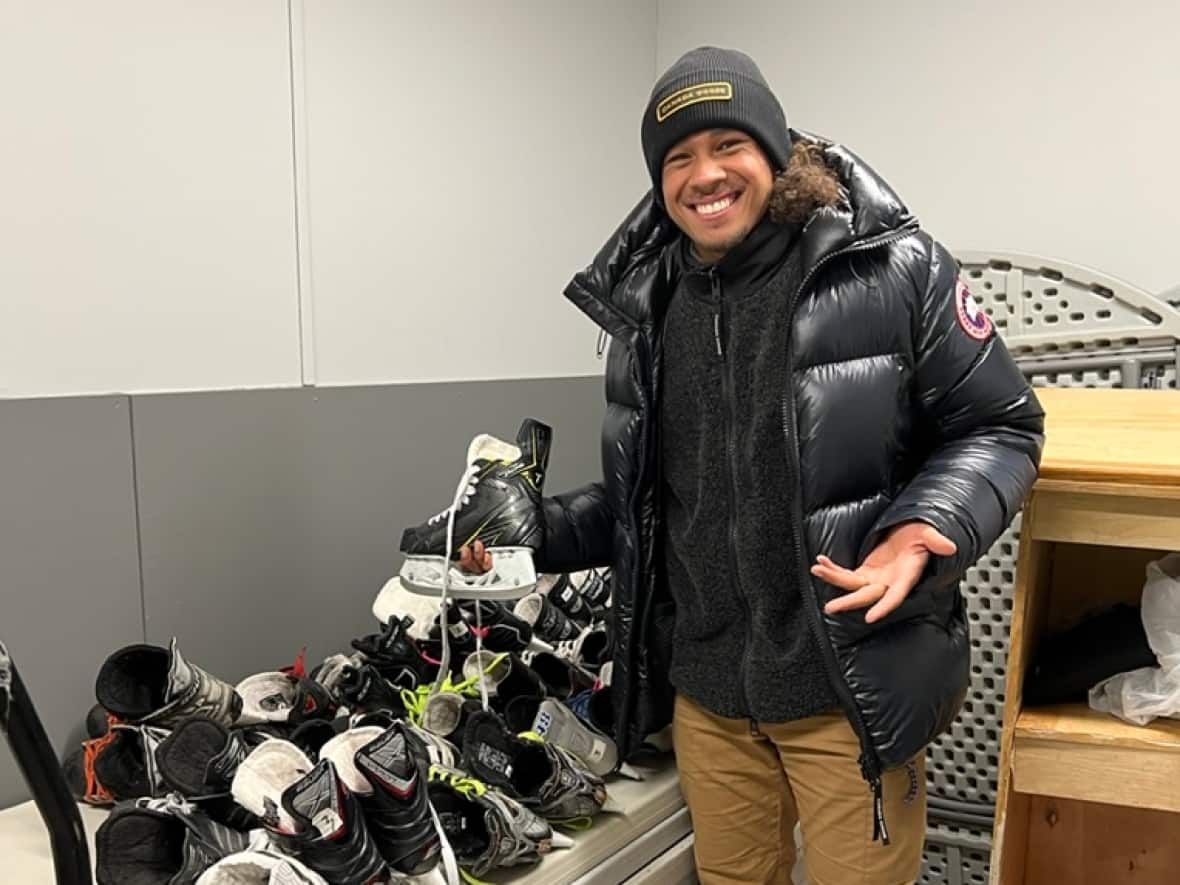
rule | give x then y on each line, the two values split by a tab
1138	696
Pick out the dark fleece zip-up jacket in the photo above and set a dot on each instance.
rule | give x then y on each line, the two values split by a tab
895	409
741	644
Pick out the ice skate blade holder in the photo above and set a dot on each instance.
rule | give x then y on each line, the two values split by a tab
512	576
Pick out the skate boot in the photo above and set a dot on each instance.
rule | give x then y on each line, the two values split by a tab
498	502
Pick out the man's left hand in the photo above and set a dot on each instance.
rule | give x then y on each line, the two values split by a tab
888	573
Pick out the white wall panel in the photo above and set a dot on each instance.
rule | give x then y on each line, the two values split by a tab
1032	126
147	233
464	159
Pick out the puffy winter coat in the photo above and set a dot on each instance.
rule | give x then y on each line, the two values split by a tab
902	405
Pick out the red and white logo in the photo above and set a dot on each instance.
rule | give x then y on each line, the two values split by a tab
972	319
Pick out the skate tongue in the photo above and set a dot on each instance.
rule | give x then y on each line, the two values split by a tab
341	751
453	823
316	801
493	758
266	697
442	713
387	762
334	670
529	608
181	674
363	688
487	666
200	756
192	691
263	778
486	447
393	640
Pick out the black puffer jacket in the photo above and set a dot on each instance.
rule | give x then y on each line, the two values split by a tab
894	413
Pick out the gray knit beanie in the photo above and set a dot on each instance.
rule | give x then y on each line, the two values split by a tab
711	88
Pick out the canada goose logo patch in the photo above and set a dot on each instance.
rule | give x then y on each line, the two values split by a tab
972	319
719	90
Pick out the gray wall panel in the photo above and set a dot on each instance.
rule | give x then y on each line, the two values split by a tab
69	576
270	519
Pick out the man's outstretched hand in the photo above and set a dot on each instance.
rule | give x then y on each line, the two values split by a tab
888	573
476	558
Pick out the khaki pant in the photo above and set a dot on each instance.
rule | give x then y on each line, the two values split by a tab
746	784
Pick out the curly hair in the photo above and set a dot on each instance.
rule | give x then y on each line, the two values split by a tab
806	184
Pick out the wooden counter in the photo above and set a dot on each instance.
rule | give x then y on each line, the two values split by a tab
1083	797
1118	436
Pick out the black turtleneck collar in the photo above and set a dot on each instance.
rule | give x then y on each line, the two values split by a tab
749	264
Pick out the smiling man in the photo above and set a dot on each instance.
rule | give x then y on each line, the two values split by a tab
812	432
716	186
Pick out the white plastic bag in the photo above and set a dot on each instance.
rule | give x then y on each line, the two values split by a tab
1139	696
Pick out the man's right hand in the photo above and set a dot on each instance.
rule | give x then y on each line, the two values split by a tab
476	558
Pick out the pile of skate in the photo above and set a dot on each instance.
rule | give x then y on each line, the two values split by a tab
355	770
467	734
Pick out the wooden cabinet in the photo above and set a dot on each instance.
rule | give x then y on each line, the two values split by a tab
1084	798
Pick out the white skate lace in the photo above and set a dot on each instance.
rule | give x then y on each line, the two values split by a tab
470	480
463	493
567	649
571	649
173	803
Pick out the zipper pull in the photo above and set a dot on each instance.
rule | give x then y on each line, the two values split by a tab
879	829
715	288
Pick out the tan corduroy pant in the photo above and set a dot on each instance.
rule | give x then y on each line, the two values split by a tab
746	785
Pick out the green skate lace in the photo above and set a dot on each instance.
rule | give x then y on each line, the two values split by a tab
464	784
415	699
468	786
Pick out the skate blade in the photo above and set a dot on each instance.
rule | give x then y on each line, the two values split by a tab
512	576
612	805
537	644
561	840
630	772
